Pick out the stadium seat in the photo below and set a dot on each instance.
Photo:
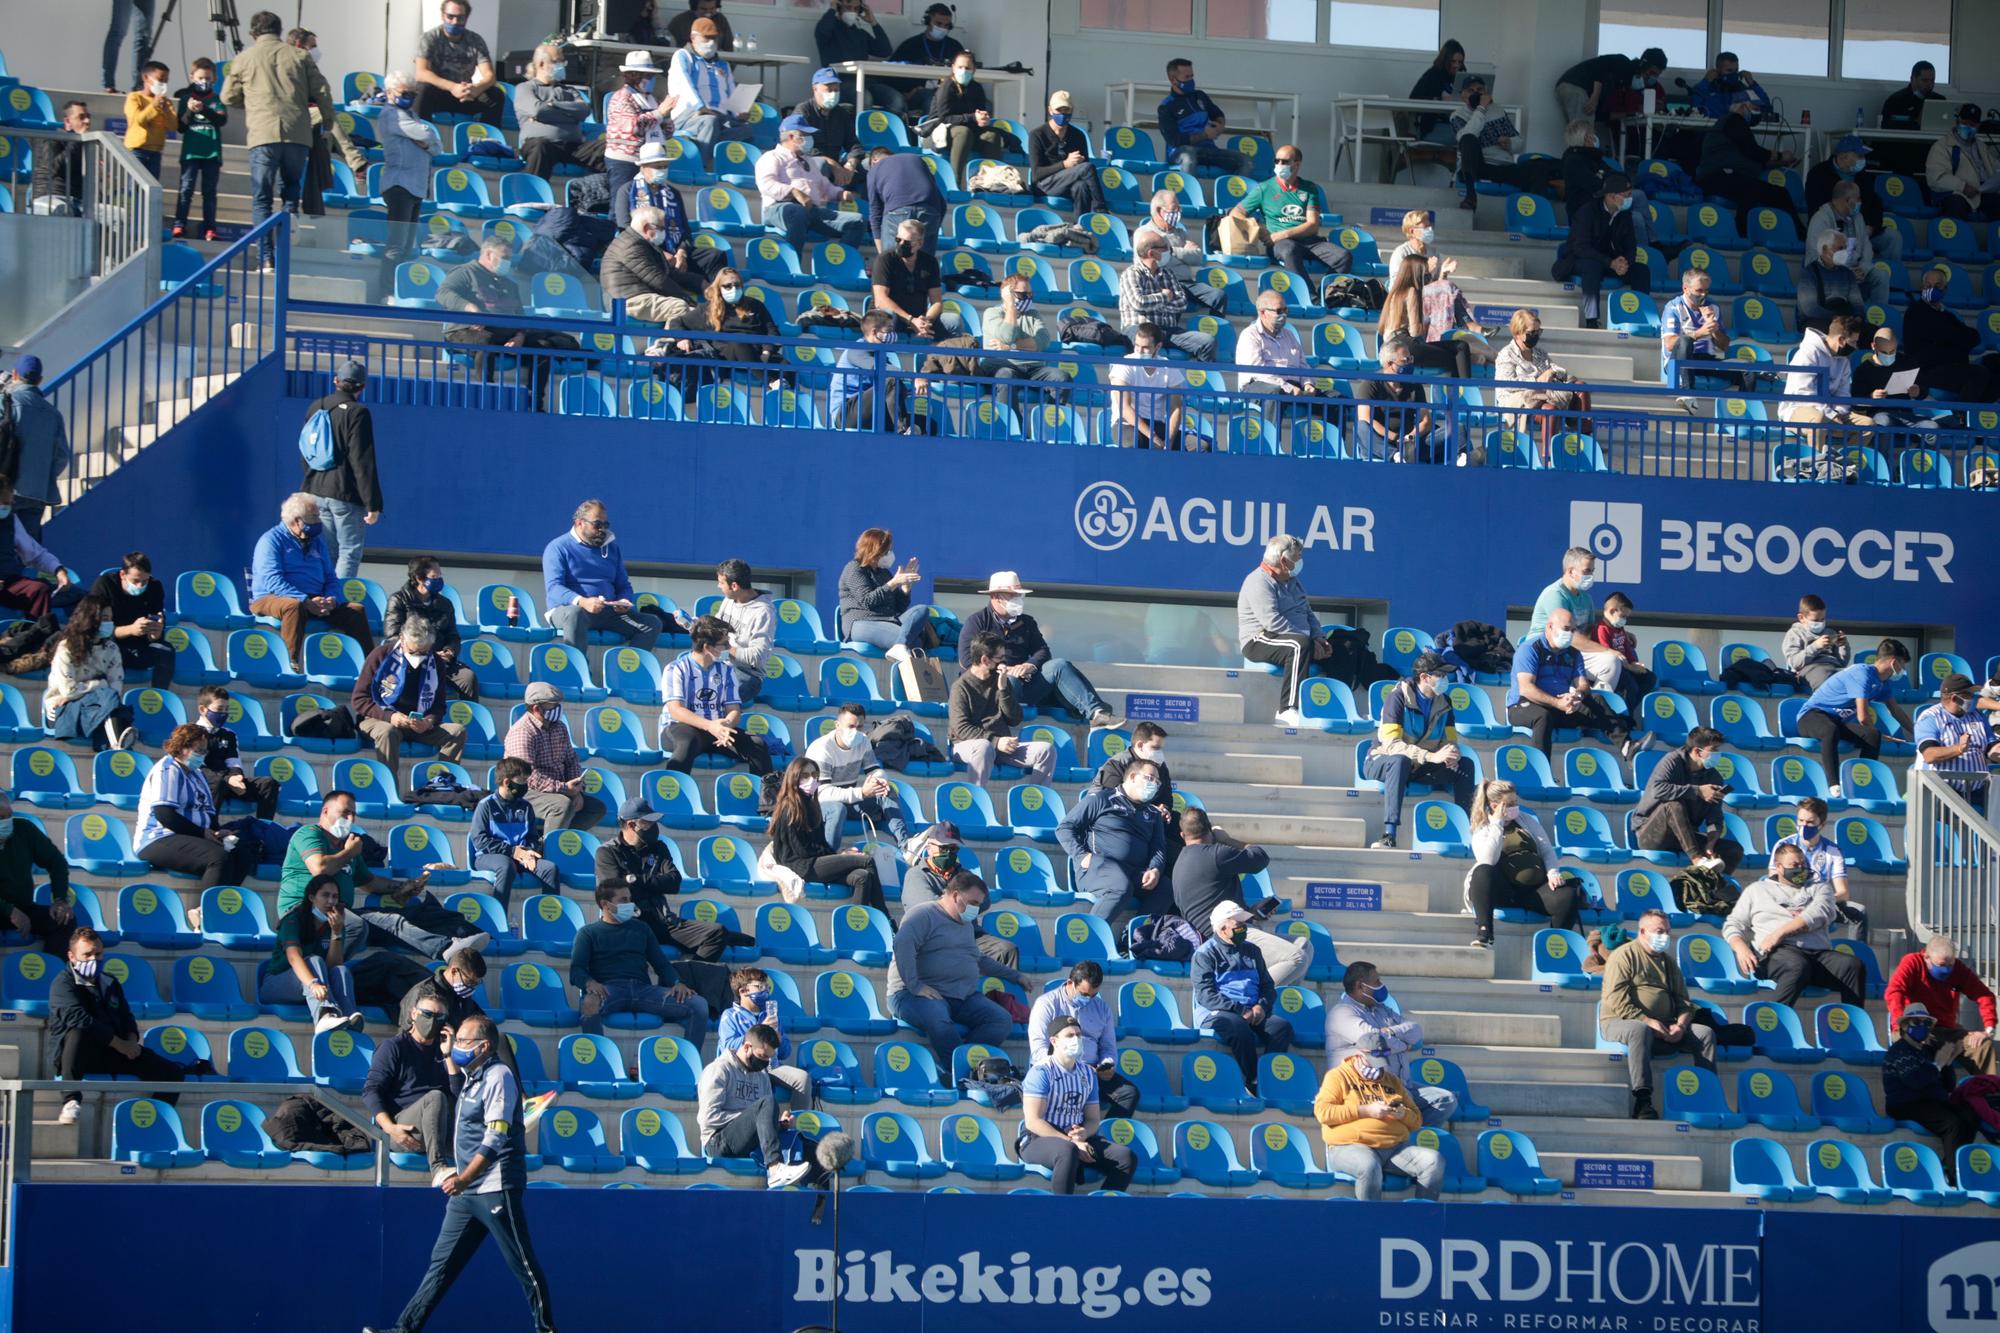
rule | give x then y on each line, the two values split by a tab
1150	1010
1080	937
152	916
614	733
1435	1072
1767	275
1772	1100
549	924
736	796
257	657
1287	1083
790	935
232	1133
484	913
726	862
1847	1033
1507	1159
374	788
263	1055
1558	961
100	846
1762	1169
1439	827
1283	1156
1591	774
908	1072
893	1142
656	1142
1839	1171
1633	312
1205	1151
1682	666
208	989
593	1066
1033	810
1871	785
1708	965
1979	1173
670	1067
1913	1174
847	1001
147	1133
1534	216
1778	1034
1845	1103
493	602
971	1145
572	1137
1147	1072
1865	844
1328	705
1583	833
1796	775
532	993
1302	1007
1740	719
1571	452
1025	875
1694	1096
862	935
47	777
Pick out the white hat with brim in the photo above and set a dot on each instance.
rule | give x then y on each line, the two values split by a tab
653	152
638	62
1005	580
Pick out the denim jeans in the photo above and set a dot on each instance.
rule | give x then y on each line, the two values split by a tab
932	218
1395	772
708	129
277	171
1058	676
284	987
886	634
505	870
82	718
203	177
941	1019
575	624
114	36
345	533
632	997
797	223
1367	1165
385	927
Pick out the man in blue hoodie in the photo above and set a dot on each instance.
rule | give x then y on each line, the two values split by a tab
1118	841
1234	994
586	587
292	578
1193	125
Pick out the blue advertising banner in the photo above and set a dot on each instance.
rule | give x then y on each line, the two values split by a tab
1343	895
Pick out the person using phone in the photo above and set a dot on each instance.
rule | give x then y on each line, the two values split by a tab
1681	807
1078	1000
756	1002
876	607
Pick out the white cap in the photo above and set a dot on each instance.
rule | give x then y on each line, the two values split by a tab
651	152
1225	913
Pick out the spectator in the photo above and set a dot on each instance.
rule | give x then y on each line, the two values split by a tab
349	492
319	154
1290	206
907	284
92	1028
306	963
632	119
1734	166
20	552
421	600
1917	1083
756	1003
1233	991
933	858
552	112
1935	978
292	578
677	27
1583	168
1514	864
1522	361
1060	1109
850	399
1440	79
222	764
1403	316
726	309
849	31
1963	171
700	87
798	198
176	824
833	138
406	1092
1844	165
1184	255
959	122
1275	623
752	622
800	843
1690	330
936	46
279	87
1416	740
455	70
1209	872
1117	840
1192	125
1904	108
736	1110
1839	708
1725	85
1680	809
43	442
986	711
901	189
456	986
1024	653
1571	592
875	604
615	963
1271	343
135	602
1077	1001
852	781
408	140
703	710
56	188
24	849
122	13
1419	235
1059	160
1778	933
406	913
690	267
506	837
486	287
1150	409
1366	1118
1550	683
1401	429
555	787
655	290
1956	739
1363	1024
587	588
1811	650
1828	282
1488	144
1824	860
644	862
200	116
1841	216
934	976
149	116
400	695
1581	89
1871	380
1150	293
84	699
1942	344
1610	634
1647	1011
1602	244
1149	743
1012	326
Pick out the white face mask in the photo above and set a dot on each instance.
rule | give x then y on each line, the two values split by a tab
1815	627
1585	582
1660	942
414	659
732	294
938	34
1843	257
1151	752
341	827
1069	1046
1014	606
830	98
844	736
887	560
851	17
1562	637
706	50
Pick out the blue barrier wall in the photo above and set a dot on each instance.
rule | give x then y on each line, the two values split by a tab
634	1261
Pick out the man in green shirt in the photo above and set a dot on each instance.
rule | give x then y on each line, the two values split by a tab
23	849
1290	206
408	915
1647	1010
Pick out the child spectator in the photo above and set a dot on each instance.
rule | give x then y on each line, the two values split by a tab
201	114
1811	649
1635	682
149	114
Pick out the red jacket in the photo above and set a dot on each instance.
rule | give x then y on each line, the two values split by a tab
1911	983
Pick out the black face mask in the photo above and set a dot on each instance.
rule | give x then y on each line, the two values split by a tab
425	1024
906	248
1531	337
756	1064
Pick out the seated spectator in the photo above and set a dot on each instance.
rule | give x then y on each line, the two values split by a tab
1184	255
135	602
85	696
1917	1081
56	188
1956	739
44	449
798	198
847	31
456	69
1830	281
1724	85
92	1029
703	712
306	964
907	284
1842	215
736	1110
1572	593
1778	933
1078	1001
1680	809
934	977
1935	978
1059	160
616	963
1812	650
835	144
1234	993
1401	429
486	287
799	842
552	112
1059	1116
1609	633
1904	108
1646	1009
875	603
555	787
690	267
1584	90
755	1004
1488	144
752	622
700	85
1209	871
1825	861
1366	1116
635	271
1419	234
1522	361
1275	623
935	45
901	189
1152	419
222	763
726	309
1416	740
1601	245
933	858
1149	742
1839	709
1941	343
1117	840
640	859
421	599
506	837
1024	653
406	913
1844	166
587	588
1550	688
1439	81
406	1092
1735	167
292	578
1149	292
852	781
850	398
455	986
176	822
400	695
1871	380
1011	325
408	140
1403	316
959	123
1513	864
19	553
1362	1023
1290	207
1270	342
24	849
1963	171
1690	330
1191	125
633	118
986	712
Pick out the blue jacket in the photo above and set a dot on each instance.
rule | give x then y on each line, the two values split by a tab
500	825
571	570
1226	976
901	181
489	1122
283	568
1184	116
1714	99
1118	835
45	450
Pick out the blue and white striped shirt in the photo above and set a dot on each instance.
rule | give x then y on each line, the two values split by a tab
709	691
1936	726
694	85
171	784
1066	1092
1823	858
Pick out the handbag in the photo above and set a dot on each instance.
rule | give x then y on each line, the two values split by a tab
790	887
923	679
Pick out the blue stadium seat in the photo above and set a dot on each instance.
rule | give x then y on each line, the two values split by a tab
1839	1171
374	788
1871	785
549	924
1435	1072
152	916
1762	1169
1581	832
656	1142
789	935
1865	844
972	1146
147	1132
532	993
491	614
1641	890
836	1072
1979	1173
728	863
1633	312
1771	1099
1205	1151
1844	1102
613	732
47	777
1507	1159
1708	965
893	1142
208	989
1593	774
862	935
1694	1096
419	849
1306	1012
263	1055
1080	937
847	1000
1287	1082
1847	1033
594	1066
1913	1174
1283	1156
908	1072
670	1067
1534	216
232	1133
100	846
1557	960
572	1137
483	912
1150	1010
257	656
1212	1081
1441	828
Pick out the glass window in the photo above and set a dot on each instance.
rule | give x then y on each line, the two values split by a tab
1267	20
1678	27
1402	25
1885	37
1778	36
1175	16
876	7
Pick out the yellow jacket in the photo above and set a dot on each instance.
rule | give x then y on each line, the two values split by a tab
147	120
1338	1109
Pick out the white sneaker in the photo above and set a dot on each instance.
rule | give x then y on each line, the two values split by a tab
70	1111
1833	793
1103	717
328	1021
785	1175
897	653
456	947
1290	717
124	738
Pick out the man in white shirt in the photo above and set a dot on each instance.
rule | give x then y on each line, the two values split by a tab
798	198
753	626
852	780
1270	341
1152	419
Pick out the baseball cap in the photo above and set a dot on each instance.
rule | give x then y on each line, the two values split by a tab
944	833
825	74
1851	143
1430	664
797	125
1061	100
29	367
1225	913
636	808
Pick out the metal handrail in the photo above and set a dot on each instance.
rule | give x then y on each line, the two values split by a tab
119	195
1953	887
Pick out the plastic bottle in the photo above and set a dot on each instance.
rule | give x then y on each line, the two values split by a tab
1860	117
513	611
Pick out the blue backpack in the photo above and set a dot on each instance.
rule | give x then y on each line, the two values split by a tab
316	442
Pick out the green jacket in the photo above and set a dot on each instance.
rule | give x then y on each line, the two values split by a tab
277	85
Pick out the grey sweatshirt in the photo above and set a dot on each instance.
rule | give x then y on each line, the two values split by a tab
1801	659
726	1090
1266	606
550	111
1767	905
933	950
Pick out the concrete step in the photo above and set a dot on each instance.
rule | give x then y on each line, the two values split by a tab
1291	829
1147	677
1510	1098
1669	1173
1203	767
1457	1027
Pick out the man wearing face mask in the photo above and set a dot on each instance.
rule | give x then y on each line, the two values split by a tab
1937	981
1550	687
654	289
1393	422
1275	623
292	578
552	113
798	198
400	696
1690	330
756	1003
555	787
406	1092
933	45
690	267
1944	346
1362	1023
1917	1080
1290	207
1825	861
1078	1001
1013	326
1024	653
25	849
487	287
1603	246
1570	593
1777	931
350	491
933	859
1059	160
586	587
1829	283
93	1031
455	988
834	141
1060	1108
852	782
137	602
506	836
1734	166
1839	710
1184	253
1149	743
1149	292
700	85
485	1194
703	713
848	30
1647	1011
279	87
455	69
640	859
1271	343
1582	90
935	977
618	967
1963	169
1843	213
1366	1117
1956	739
1117	842
407	913
1681	808
1234	993
736	1111
1192	126
1416	740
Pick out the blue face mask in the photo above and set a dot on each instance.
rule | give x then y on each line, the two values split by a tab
758	999
462	1057
1917	1032
1968	132
319	915
310	533
559	71
505	266
1378	993
433	586
1186	85
1059	119
404	103
1625	204
453	29
1934	296
1939	971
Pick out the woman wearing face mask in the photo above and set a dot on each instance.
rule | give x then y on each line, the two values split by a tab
960	120
421	598
934	44
1403	313
407	144
85	695
1522	361
725	310
176	820
875	604
1060	1114
799	842
305	966
1513	864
